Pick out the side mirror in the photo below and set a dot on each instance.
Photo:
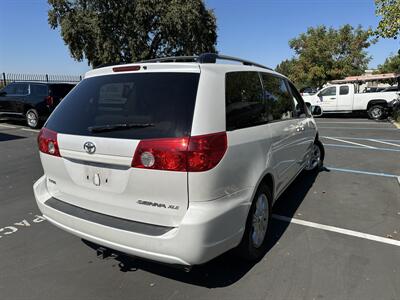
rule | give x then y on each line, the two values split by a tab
316	111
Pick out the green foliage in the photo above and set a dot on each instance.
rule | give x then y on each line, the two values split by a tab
389	11
396	115
104	31
2	84
323	54
391	65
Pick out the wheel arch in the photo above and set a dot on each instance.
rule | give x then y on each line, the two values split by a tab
376	102
269	181
28	106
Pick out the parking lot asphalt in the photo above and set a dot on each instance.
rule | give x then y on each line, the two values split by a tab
335	235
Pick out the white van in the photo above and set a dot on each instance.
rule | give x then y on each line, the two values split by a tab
176	160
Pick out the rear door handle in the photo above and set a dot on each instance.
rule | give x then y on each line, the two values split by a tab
332	98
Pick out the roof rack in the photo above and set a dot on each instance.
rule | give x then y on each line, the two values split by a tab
105	65
172	59
204	58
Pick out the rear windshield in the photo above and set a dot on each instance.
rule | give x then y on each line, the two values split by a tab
164	100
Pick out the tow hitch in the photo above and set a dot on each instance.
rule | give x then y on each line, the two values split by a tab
107	253
104	253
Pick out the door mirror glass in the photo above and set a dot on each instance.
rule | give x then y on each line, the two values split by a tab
316	111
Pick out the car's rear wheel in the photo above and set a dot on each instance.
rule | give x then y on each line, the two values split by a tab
32	118
316	158
253	244
376	112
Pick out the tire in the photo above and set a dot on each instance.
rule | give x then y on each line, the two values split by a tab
376	112
32	118
251	248
316	160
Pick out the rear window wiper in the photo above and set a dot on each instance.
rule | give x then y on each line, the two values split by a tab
120	126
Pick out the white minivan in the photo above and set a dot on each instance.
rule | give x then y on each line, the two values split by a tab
175	160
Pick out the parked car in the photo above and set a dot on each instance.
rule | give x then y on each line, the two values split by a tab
373	89
175	162
342	98
32	101
393	88
308	91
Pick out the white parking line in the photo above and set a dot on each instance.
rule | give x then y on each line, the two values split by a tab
350	123
361	139
343	141
383	142
360	128
338	230
363	148
7	126
29	129
362	172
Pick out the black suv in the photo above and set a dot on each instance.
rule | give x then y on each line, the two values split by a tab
31	101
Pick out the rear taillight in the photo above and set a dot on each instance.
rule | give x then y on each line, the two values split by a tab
49	100
206	151
161	154
187	154
47	141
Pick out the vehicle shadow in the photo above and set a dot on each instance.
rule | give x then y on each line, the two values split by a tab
226	269
16	122
356	115
4	137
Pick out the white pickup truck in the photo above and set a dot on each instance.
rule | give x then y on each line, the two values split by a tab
342	98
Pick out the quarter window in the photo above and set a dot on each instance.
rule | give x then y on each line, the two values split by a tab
279	100
39	90
298	102
245	105
344	90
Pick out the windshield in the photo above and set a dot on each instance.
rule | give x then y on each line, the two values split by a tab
163	100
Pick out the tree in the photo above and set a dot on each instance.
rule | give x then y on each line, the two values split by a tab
323	54
104	31
391	65
389	11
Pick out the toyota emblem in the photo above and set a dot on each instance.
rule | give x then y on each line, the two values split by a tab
89	147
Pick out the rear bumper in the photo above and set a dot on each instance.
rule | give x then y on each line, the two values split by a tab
208	229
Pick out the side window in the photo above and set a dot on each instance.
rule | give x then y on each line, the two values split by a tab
300	109
330	91
9	89
18	89
245	105
279	99
39	90
344	90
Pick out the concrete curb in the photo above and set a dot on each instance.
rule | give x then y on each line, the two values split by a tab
397	124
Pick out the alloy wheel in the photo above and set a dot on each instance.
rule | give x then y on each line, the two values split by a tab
260	221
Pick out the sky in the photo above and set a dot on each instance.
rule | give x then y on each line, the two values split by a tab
257	30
